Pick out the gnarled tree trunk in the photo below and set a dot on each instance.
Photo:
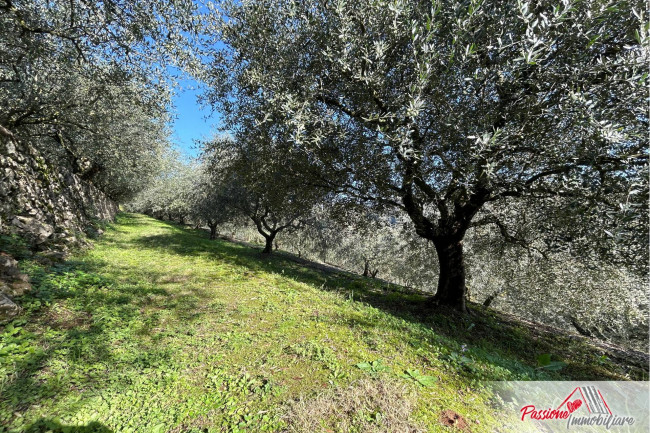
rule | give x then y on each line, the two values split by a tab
213	231
269	237
366	269
452	290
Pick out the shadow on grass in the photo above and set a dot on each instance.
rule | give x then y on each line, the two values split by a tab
85	314
69	341
46	425
504	344
77	334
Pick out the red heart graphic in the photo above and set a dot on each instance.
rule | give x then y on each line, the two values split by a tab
573	405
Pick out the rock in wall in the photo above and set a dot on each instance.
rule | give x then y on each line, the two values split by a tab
48	209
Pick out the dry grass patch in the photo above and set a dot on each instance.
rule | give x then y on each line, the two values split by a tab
366	406
64	319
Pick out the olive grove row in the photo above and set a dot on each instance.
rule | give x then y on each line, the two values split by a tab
527	118
500	146
235	192
86	83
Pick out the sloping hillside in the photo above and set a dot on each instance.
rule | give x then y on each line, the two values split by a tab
159	329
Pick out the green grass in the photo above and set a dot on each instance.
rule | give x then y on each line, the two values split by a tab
159	329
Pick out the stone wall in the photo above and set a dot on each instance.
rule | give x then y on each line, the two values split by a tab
46	209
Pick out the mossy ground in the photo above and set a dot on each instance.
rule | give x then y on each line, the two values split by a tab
159	329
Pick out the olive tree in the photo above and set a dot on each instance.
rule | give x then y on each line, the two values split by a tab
87	83
258	185
211	202
446	110
171	193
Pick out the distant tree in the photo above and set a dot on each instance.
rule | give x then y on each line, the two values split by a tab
171	194
449	111
258	186
211	202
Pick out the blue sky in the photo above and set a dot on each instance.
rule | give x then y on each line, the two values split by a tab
191	121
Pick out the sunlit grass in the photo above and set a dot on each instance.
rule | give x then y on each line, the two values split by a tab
159	329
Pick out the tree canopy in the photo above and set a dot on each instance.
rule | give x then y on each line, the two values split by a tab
258	184
450	111
88	83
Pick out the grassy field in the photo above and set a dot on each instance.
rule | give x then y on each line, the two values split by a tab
158	329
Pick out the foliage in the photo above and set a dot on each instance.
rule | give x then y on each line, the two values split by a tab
87	83
422	379
560	290
259	187
544	361
451	112
173	193
374	367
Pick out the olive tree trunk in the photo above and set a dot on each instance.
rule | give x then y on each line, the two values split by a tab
213	231
452	290
269	238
